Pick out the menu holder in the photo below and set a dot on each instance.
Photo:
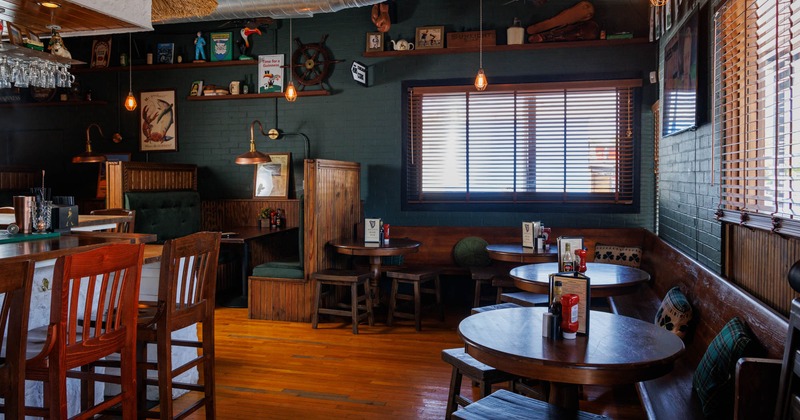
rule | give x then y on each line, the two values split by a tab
575	243
372	230
578	284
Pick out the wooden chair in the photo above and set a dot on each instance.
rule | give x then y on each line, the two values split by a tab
417	277
85	327
123	227
15	292
186	294
351	278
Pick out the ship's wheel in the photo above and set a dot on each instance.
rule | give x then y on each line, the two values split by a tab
311	63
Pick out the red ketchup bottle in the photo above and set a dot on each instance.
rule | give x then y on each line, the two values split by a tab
569	315
581	254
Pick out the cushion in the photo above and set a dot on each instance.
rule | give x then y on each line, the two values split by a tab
169	214
278	272
675	312
621	255
471	252
714	377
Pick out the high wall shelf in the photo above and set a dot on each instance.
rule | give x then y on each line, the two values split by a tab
598	43
175	66
52	103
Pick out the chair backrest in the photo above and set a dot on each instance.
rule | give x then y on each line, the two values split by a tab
15	293
94	304
124	227
6	210
188	278
789	388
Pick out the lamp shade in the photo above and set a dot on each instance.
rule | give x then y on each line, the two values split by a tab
253	157
88	156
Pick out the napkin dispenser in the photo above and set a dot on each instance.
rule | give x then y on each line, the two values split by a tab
64	217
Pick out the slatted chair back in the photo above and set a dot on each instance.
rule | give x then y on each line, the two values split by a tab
15	295
789	387
122	227
93	314
186	295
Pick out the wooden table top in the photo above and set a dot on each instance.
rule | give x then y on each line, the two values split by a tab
618	350
519	254
134	238
240	234
396	246
49	248
604	279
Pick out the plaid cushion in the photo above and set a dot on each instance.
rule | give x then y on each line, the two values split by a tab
714	378
674	313
620	255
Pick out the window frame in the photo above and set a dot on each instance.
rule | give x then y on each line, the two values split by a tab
488	203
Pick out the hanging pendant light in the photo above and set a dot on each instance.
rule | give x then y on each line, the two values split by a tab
480	79
291	92
130	100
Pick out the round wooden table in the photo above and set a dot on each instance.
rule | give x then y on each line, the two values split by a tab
618	350
396	246
604	279
516	253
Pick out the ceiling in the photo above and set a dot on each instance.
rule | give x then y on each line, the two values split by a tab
96	17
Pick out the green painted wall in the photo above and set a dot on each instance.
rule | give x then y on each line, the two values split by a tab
355	123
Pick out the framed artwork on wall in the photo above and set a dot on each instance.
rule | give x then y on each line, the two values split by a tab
158	121
101	51
271	179
165	52
14	34
429	37
374	41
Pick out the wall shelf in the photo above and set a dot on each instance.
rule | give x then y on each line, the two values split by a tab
158	67
499	48
53	103
300	93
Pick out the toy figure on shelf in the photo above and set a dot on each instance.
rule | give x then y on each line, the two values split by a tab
57	47
199	47
246	43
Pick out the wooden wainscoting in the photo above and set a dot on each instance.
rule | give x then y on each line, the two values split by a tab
218	214
122	177
17	178
758	261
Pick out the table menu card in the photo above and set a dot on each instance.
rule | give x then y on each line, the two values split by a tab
372	230
530	231
575	283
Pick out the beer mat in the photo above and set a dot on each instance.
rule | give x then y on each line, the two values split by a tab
5	238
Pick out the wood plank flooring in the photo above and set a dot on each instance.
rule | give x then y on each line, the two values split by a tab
285	370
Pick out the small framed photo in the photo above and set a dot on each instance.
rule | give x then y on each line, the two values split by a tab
101	52
374	41
429	37
165	52
197	88
158	121
221	46
271	179
14	34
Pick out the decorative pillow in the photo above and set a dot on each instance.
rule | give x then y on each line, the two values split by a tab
471	252
621	255
714	378
675	312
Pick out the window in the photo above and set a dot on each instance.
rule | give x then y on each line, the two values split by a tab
567	145
757	112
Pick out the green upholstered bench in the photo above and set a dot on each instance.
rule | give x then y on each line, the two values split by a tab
168	214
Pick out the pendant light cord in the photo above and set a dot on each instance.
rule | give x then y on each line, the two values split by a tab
130	67
480	34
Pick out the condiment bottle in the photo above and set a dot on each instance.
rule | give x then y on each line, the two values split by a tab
569	315
386	234
567	260
581	254
516	33
556	310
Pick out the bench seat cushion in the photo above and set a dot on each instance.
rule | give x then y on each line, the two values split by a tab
168	214
278	272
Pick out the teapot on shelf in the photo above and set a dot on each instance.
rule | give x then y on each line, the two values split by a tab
402	45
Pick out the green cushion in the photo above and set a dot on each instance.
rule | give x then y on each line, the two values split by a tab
714	378
283	264
471	252
675	312
169	214
278	272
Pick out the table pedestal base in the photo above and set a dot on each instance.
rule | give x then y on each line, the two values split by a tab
564	395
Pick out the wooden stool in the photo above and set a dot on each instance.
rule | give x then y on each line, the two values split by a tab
494	307
507	405
465	365
502	281
350	278
416	276
525	298
481	276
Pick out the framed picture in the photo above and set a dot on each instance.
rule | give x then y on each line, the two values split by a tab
683	82
271	179
14	34
101	52
578	284
374	41
158	121
429	37
165	52
197	88
221	46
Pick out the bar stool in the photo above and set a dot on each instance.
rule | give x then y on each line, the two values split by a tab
416	276
352	278
465	365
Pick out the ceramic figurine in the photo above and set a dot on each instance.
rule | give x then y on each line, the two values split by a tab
246	43
199	47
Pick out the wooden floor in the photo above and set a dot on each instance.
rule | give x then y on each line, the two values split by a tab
285	370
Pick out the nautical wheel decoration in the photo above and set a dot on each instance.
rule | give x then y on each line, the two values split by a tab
312	63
